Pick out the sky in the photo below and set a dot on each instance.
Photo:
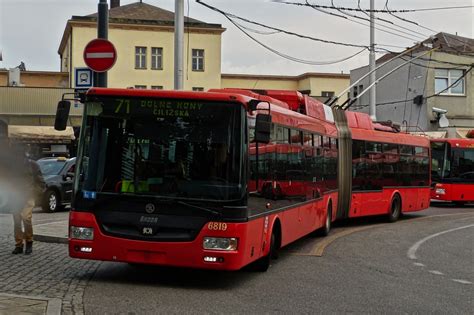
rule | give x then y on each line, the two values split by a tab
31	30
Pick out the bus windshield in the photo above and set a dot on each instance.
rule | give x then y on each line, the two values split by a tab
462	164
162	148
452	164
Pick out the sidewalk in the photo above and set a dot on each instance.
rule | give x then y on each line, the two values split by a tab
19	304
48	281
53	232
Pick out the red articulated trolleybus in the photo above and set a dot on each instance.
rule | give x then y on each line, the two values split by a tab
223	179
452	170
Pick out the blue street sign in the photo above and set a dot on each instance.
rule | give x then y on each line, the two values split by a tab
83	78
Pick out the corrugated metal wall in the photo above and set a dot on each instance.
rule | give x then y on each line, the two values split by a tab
33	101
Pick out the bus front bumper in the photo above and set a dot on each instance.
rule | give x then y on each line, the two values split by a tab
180	254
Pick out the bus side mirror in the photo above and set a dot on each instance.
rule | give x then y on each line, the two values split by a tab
263	126
62	115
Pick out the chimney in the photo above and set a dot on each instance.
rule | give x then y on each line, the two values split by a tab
114	3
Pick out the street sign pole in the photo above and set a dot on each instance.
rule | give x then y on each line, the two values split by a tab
102	32
178	44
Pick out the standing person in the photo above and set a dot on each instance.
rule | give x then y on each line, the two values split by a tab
31	184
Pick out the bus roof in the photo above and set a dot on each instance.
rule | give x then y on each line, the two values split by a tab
170	94
289	108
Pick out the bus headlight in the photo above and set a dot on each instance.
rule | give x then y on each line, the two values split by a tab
220	243
82	233
440	191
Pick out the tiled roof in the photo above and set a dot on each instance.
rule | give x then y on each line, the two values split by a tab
452	43
144	12
447	43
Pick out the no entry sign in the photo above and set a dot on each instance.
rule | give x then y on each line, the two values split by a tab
100	55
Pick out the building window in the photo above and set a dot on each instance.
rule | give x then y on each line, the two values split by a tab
157	58
327	93
355	92
444	78
157	87
140	57
197	88
140	87
198	59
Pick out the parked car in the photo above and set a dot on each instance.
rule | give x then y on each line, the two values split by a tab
58	174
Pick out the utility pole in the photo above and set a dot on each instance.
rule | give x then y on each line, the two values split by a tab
100	78
178	44
372	78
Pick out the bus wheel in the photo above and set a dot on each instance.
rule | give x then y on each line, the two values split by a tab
327	224
395	209
263	263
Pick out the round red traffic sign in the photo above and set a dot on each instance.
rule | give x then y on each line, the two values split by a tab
100	55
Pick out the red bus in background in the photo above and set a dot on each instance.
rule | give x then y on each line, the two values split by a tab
223	179
452	170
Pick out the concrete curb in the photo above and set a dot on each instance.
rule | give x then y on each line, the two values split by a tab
53	304
50	239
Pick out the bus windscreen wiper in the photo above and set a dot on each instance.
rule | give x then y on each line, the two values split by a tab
200	208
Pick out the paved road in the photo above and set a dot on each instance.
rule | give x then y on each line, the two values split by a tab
421	264
365	272
47	273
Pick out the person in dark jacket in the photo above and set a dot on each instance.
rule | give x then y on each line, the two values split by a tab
30	183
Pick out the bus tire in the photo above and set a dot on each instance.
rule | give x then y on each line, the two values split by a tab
262	264
324	231
395	208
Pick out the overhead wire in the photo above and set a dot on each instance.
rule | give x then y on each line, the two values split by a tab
388	11
308	62
360	23
375	11
427	28
406	20
230	15
456	66
427	97
414	37
391	22
257	31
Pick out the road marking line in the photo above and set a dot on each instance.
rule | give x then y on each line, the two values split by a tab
320	247
412	251
318	250
462	281
55	222
419	264
436	272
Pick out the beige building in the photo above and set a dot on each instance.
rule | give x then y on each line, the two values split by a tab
37	78
143	36
318	85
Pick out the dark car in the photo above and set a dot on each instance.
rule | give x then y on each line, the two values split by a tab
58	175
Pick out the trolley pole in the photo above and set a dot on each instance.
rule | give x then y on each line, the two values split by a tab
178	44
100	78
372	78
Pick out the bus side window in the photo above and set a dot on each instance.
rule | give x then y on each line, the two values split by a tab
281	135
295	137
307	139
358	164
